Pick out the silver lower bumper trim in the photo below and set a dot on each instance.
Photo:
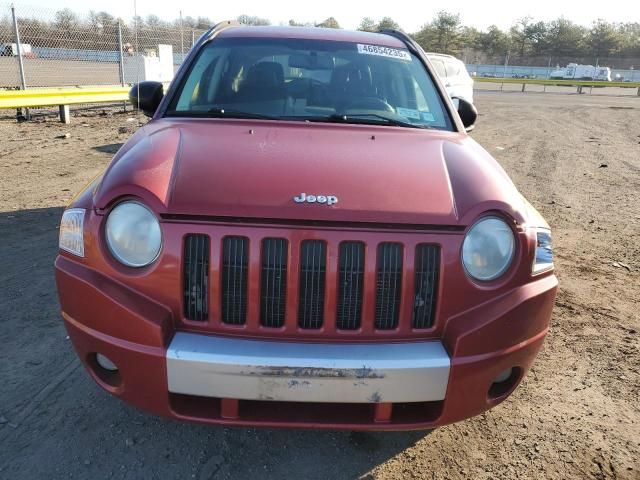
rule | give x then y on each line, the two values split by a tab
307	372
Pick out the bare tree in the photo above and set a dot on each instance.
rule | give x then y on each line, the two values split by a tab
253	20
368	24
66	19
388	23
329	23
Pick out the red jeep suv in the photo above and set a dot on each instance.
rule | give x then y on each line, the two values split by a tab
304	235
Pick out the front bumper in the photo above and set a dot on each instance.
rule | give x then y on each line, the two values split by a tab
295	372
366	386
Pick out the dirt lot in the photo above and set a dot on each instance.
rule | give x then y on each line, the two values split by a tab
577	414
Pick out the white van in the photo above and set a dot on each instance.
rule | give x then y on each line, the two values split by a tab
453	74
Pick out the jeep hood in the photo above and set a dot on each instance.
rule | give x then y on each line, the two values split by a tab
254	169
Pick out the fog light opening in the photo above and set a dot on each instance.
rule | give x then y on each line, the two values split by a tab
504	383
504	375
105	363
105	370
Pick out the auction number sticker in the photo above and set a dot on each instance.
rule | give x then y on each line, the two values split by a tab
384	52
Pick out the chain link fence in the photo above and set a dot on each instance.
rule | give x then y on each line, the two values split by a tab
40	47
545	66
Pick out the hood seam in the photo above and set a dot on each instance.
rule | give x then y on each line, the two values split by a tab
174	170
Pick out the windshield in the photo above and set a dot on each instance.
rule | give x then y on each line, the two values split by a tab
313	80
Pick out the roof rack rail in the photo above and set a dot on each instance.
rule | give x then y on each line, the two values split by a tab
400	35
218	27
440	54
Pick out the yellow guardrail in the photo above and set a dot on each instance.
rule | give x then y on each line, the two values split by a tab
569	83
44	97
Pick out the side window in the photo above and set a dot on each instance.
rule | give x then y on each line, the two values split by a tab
453	68
439	66
202	81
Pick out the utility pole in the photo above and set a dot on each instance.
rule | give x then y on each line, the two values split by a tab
121	53
20	114
506	64
181	36
16	32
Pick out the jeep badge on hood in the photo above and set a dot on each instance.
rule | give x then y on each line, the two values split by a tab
328	199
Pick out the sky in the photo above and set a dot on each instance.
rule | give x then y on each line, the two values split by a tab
478	13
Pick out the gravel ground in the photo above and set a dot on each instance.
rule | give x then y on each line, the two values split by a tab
577	414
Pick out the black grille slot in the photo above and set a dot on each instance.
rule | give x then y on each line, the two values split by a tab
351	280
312	283
234	280
273	285
388	285
427	273
196	277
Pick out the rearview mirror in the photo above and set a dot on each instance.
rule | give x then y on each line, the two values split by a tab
467	111
311	61
146	96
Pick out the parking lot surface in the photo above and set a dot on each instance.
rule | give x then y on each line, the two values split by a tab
576	415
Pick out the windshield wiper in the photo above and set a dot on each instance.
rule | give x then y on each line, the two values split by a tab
229	113
218	112
361	118
356	118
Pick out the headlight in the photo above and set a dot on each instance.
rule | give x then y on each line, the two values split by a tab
133	234
72	231
488	249
544	252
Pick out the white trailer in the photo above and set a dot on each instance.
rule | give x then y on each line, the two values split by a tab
11	49
573	71
159	68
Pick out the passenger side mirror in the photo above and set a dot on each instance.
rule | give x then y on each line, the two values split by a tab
146	96
467	111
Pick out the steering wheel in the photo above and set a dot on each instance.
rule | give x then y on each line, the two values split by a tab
369	103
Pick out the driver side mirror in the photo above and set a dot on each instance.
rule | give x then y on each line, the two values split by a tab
147	96
467	111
